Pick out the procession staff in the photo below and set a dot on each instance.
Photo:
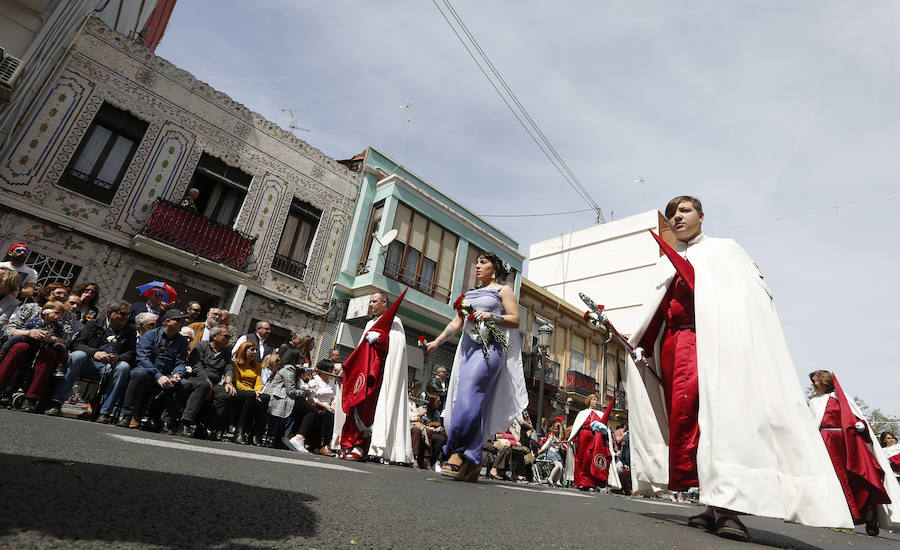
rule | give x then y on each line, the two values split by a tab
872	492
487	384
714	400
381	343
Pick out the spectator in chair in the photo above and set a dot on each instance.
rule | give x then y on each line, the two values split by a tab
106	346
259	339
253	402
207	365
214	317
89	308
144	322
161	354
15	260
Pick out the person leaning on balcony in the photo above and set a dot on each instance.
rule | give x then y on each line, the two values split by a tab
15	260
202	329
207	365
190	200
161	354
105	346
260	339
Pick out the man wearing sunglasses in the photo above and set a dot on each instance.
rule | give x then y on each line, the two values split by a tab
15	260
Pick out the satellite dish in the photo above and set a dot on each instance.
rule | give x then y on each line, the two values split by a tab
387	239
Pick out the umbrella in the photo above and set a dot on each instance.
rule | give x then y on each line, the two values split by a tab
169	294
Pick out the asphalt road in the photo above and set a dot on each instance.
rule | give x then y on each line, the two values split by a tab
71	484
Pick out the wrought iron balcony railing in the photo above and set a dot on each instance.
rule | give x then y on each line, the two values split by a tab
179	227
580	383
288	266
533	369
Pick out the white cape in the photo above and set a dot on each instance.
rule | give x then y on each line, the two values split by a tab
339	415
391	437
613	480
510	396
759	452
888	514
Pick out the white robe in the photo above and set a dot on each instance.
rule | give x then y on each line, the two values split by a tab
391	438
759	452
339	415
613	479
888	514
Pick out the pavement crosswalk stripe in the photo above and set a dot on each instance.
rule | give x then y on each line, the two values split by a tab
551	492
238	454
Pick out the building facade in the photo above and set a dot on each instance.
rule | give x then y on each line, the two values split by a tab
610	262
94	176
433	254
583	360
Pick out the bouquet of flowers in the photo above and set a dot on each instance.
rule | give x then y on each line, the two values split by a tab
481	331
595	318
421	342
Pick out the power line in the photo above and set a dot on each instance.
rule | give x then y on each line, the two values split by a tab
531	127
535	215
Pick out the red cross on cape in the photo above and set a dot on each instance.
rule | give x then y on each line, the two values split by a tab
364	368
682	266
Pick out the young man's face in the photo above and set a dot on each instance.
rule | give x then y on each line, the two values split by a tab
72	302
686	221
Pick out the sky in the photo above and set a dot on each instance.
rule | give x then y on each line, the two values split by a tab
782	117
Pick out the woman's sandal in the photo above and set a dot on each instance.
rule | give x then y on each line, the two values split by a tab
451	469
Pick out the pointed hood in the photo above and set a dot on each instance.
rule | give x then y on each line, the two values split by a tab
682	266
605	418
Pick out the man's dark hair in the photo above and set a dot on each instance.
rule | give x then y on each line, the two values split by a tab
116	305
673	204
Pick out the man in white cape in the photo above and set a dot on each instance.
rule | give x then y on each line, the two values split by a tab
755	449
391	436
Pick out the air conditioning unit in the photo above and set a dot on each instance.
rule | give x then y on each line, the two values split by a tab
11	69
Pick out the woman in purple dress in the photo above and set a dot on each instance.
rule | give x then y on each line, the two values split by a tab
487	384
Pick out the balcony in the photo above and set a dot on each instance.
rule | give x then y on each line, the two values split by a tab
178	227
408	277
283	264
580	383
533	369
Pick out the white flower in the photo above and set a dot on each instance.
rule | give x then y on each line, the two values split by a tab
111	339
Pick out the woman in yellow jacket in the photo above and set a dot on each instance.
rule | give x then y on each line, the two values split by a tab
246	388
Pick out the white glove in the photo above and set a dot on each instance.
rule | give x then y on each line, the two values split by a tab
372	336
860	427
638	355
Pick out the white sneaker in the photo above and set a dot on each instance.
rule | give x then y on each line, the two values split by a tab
298	444
437	466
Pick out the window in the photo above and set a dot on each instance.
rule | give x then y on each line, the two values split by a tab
577	362
99	164
52	270
371	248
422	255
222	189
296	239
594	372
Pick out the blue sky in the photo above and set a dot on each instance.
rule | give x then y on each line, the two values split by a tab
782	117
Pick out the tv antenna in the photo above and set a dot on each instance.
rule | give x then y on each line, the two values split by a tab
293	125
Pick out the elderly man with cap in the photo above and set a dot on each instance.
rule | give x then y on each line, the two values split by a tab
161	355
15	260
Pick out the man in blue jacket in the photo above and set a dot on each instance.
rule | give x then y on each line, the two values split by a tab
161	355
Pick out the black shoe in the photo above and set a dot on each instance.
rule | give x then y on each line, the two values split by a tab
30	406
169	428
5	400
151	426
188	430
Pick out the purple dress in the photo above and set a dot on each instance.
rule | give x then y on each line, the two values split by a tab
477	377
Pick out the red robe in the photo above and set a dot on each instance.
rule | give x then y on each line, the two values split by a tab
592	458
859	473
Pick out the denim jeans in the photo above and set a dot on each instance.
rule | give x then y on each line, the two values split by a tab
80	364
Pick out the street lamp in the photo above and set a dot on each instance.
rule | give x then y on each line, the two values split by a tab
545	332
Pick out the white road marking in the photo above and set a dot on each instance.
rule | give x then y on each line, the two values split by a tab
551	492
239	454
658	503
